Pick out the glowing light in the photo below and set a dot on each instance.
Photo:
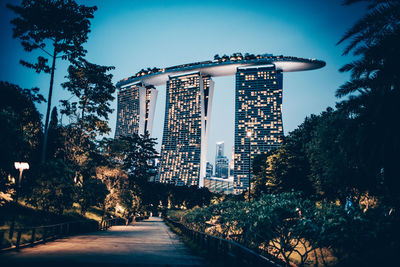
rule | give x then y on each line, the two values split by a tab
21	166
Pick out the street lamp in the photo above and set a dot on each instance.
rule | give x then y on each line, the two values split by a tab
21	166
248	149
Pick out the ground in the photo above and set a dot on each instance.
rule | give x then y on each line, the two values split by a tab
147	243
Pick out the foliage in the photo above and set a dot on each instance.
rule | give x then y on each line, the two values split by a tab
53	188
91	192
317	158
139	154
21	129
374	93
62	24
25	216
298	230
93	87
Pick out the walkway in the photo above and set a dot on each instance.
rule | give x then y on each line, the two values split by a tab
147	243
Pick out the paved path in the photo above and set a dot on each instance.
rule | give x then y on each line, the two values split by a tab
147	243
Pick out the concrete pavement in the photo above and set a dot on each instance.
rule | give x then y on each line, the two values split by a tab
147	243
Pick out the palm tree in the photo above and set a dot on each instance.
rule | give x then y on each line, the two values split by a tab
374	90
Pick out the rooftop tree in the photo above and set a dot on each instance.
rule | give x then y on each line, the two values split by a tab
56	28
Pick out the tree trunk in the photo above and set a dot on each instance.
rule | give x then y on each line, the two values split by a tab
83	110
46	124
316	258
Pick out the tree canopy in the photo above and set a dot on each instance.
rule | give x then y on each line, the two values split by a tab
62	25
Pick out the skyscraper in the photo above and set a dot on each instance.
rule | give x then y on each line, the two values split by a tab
258	118
136	105
222	167
220	149
221	162
209	170
188	108
186	127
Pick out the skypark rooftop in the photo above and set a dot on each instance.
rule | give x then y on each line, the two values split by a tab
225	66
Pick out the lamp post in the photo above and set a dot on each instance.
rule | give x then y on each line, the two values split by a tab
249	151
21	166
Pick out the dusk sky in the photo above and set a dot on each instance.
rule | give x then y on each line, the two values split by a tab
132	35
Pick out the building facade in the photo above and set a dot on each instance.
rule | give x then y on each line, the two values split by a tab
258	118
219	185
232	163
258	111
136	106
219	151
209	170
221	162
186	127
222	167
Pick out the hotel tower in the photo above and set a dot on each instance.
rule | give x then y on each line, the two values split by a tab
186	127
136	106
258	118
189	92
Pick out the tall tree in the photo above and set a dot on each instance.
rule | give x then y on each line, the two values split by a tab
93	87
58	28
139	153
374	90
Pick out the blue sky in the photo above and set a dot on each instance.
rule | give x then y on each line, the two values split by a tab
132	35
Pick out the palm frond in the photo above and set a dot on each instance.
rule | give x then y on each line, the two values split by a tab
377	21
352	87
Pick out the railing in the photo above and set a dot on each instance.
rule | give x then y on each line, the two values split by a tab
30	236
223	247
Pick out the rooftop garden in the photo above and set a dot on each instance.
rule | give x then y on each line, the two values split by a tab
217	59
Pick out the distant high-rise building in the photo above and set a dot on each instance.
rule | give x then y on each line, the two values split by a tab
258	118
209	169
221	162
186	127
220	149
136	106
222	167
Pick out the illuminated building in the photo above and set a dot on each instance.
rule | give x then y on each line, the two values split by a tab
184	144
232	163
209	170
219	185
221	162
258	118
219	152
258	110
222	167
136	106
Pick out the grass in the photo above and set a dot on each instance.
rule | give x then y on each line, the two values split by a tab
25	216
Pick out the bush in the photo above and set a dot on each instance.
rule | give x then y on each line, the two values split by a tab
301	231
53	188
